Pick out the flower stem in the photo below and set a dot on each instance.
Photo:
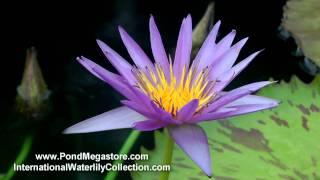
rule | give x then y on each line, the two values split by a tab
26	147
126	147
167	158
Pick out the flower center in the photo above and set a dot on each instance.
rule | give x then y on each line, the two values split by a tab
171	94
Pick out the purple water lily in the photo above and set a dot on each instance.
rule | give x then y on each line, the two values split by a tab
177	95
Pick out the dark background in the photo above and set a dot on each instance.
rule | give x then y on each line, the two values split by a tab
61	31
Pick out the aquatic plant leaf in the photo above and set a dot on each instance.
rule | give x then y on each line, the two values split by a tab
202	29
302	19
282	143
155	158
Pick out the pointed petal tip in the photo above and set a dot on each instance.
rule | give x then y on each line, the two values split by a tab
188	21
193	141
239	45
258	52
189	16
217	26
71	130
275	103
101	44
65	131
266	83
151	20
208	172
253	55
183	21
123	33
76	129
82	59
245	39
121	29
230	35
270	82
272	105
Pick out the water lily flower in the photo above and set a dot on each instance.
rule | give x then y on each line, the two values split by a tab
177	94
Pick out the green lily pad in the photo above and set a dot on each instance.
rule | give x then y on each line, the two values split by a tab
282	143
302	19
155	158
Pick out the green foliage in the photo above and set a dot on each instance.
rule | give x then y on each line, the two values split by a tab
302	19
22	156
125	149
201	30
282	143
156	157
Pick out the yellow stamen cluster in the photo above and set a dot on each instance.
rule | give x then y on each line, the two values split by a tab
172	95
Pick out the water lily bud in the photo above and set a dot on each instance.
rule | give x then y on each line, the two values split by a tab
32	91
202	29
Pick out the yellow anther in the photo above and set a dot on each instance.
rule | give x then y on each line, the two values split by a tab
171	95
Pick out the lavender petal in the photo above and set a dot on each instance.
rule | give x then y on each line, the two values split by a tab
207	50
224	79
122	66
186	112
136	53
193	141
118	118
183	49
227	60
149	125
157	47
